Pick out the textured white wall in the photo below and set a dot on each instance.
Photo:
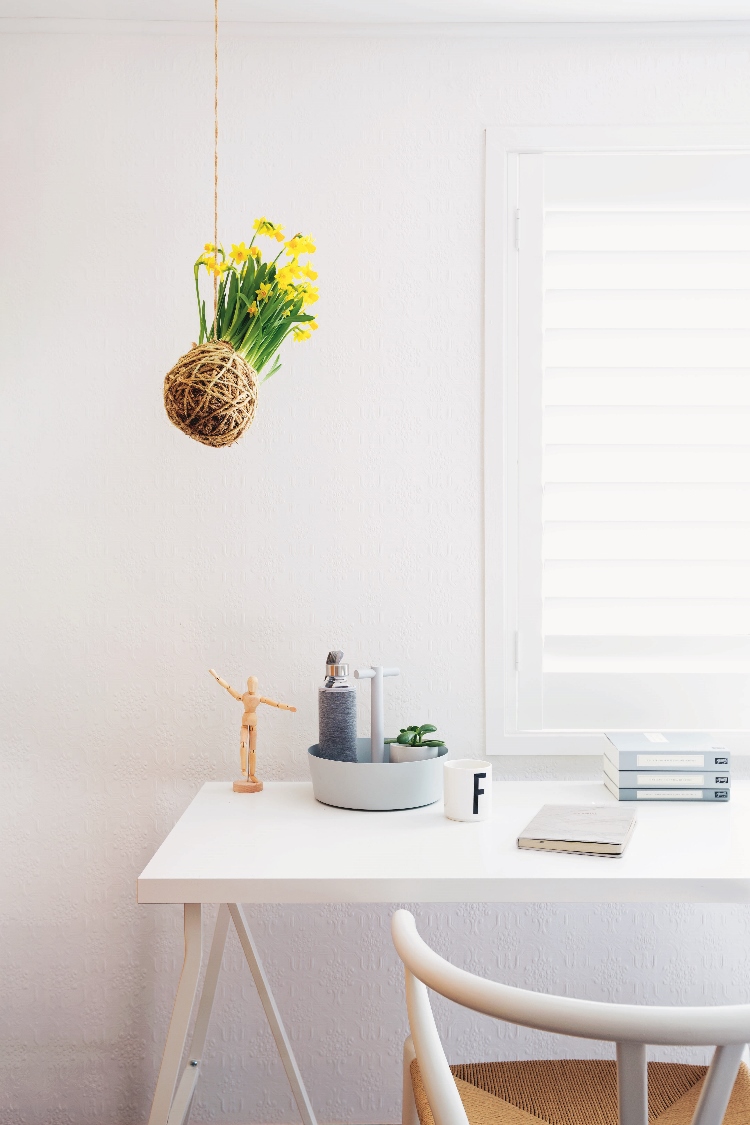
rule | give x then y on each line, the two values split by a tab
349	515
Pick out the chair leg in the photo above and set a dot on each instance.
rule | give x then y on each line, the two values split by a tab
632	1084
717	1089
408	1105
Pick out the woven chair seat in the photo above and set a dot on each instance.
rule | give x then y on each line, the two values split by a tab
575	1092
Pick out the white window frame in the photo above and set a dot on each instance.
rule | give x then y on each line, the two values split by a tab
503	148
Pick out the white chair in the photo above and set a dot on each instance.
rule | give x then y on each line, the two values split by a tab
566	1092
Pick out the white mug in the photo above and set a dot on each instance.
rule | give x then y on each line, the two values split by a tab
467	789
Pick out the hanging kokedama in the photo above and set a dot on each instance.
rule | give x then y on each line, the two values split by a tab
211	393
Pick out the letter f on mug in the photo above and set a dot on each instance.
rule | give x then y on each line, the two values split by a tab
464	782
477	791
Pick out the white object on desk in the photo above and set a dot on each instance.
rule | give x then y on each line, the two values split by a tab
377	721
583	829
467	790
284	846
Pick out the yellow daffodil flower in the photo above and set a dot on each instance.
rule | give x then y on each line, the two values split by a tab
271	230
308	271
239	253
300	333
209	246
219	268
288	273
254	252
253	309
309	294
300	244
312	326
263	290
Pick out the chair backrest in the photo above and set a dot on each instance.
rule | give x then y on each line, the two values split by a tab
630	1026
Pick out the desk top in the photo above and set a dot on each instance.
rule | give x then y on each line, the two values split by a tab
281	845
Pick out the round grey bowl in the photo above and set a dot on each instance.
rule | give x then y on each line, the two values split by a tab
376	786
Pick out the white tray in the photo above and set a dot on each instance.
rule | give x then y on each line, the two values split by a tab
378	786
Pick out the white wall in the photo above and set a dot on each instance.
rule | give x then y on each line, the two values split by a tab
349	515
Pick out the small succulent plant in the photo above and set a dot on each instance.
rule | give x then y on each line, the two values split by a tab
413	736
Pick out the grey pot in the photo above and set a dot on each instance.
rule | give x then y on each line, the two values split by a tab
377	786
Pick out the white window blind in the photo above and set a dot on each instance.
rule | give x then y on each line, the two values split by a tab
633	442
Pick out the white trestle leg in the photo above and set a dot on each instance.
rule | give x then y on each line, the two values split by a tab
178	1026
170	1108
272	1015
186	1089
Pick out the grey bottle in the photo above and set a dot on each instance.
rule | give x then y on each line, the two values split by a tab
337	712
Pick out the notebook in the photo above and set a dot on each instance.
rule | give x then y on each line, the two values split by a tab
585	829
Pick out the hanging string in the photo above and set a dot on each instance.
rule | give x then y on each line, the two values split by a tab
216	160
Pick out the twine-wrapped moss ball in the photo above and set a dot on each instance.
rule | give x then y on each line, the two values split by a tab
211	394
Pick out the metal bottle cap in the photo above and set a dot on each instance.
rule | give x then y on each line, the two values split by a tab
335	670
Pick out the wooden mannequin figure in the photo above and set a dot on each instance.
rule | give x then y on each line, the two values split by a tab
249	783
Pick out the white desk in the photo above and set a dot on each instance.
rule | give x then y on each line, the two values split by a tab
281	846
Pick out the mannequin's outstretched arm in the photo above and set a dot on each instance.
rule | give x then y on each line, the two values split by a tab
281	706
225	685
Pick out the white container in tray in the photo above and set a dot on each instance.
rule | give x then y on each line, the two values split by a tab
376	786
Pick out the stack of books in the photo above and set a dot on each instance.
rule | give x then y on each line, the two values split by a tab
666	767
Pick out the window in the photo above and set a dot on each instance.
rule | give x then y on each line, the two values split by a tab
626	477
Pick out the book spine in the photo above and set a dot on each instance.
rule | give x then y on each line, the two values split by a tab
672	779
685	761
669	794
